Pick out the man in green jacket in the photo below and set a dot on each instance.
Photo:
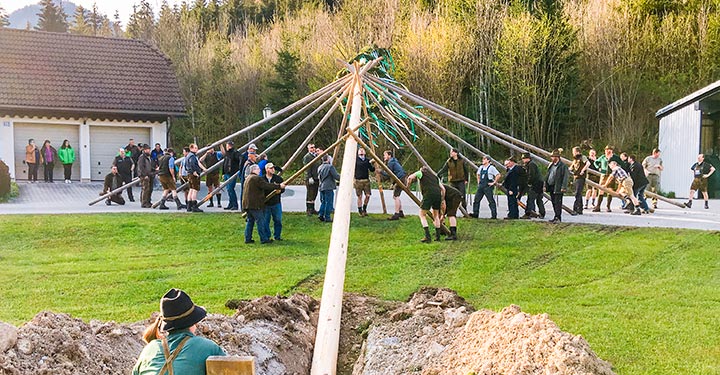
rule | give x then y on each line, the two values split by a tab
187	352
458	173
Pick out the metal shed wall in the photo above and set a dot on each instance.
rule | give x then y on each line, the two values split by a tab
679	141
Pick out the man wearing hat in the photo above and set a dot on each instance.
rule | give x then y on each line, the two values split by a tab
556	183
180	351
311	180
511	184
254	203
273	206
194	169
458	173
146	172
534	188
252	159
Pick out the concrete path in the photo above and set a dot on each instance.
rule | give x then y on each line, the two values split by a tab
60	198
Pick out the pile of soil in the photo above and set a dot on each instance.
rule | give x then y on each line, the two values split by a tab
435	332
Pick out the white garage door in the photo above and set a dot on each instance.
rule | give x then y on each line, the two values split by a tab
104	144
56	134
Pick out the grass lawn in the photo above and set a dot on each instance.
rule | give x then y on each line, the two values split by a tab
646	299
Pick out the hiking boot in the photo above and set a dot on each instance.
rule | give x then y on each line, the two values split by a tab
196	208
401	214
437	234
162	205
364	213
179	204
688	204
608	209
426	240
596	209
394	216
526	216
706	205
107	202
211	203
555	220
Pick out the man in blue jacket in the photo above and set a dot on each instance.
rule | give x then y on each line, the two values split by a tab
397	169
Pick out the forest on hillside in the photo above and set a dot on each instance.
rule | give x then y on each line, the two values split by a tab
551	72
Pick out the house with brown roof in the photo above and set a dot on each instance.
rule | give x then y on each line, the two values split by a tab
95	92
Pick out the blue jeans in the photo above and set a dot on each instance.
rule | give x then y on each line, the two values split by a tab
326	204
232	196
256	216
640	194
274	212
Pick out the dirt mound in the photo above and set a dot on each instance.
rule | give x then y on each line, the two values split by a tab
435	332
59	344
449	338
513	342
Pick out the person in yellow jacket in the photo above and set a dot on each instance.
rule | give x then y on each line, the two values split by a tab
66	154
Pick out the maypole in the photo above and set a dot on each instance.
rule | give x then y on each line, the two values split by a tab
327	337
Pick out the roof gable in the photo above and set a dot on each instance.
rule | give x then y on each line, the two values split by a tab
692	98
47	71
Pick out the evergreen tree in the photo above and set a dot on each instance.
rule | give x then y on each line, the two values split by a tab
52	17
285	84
117	30
80	22
142	22
4	21
95	19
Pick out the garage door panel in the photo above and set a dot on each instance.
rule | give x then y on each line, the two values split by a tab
56	134
104	144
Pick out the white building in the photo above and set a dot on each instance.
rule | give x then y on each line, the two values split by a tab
688	128
95	92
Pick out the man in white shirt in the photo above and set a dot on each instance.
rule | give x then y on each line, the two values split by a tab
487	177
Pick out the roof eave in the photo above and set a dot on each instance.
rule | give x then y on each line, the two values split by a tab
81	111
701	94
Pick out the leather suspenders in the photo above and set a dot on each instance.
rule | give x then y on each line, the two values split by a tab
170	357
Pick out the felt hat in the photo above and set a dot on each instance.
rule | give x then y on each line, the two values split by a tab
231	143
252	147
178	311
525	155
556	152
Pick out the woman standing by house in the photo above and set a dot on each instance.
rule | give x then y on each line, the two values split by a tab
67	158
48	155
32	158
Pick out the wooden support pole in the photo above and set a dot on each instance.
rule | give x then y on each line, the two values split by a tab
327	338
495	134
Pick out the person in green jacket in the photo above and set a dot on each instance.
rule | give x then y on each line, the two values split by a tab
67	158
174	333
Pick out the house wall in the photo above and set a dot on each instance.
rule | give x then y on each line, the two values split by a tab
10	143
679	142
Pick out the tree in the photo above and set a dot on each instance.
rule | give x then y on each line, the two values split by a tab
4	21
80	22
52	17
142	22
117	30
95	19
284	86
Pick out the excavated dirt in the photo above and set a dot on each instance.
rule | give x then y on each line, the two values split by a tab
435	332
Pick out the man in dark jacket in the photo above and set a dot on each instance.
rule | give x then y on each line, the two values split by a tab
363	167
640	183
135	152
125	167
511	183
556	183
311	180
327	175
273	206
534	188
113	180
146	172
231	166
254	203
458	173
212	179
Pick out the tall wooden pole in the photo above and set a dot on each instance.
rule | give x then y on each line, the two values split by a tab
327	338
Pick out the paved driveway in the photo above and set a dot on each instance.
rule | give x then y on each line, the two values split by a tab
59	198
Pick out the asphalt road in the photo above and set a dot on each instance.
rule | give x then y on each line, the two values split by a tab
59	198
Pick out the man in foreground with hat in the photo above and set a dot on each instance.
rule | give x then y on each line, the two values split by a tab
556	183
180	351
